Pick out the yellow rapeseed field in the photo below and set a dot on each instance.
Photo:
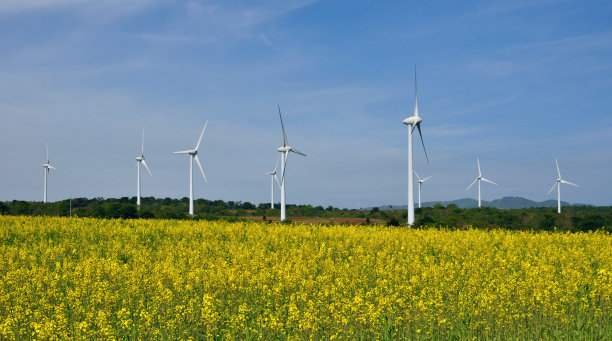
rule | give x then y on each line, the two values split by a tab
78	278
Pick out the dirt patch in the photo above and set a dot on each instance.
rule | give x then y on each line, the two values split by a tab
318	220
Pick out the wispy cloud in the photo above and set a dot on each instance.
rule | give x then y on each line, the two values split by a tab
497	8
90	10
29	5
572	43
209	22
496	68
484	105
87	76
454	131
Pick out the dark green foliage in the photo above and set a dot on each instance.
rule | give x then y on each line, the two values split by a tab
144	214
573	218
589	223
20	208
393	221
425	220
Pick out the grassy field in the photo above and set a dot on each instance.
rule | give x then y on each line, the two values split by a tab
63	278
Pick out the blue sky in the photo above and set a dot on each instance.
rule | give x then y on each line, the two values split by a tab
513	83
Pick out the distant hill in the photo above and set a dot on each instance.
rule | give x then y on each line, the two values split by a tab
503	203
518	202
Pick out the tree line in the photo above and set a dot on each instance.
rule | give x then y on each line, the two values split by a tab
573	218
151	208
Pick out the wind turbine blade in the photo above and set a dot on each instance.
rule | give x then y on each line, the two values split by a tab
569	183
56	168
423	143
558	171
297	152
553	187
200	165
415	82
416	96
472	184
201	135
277	159
479	173
417	175
489	181
285	143
47	147
182	152
147	167
276	178
285	155
142	151
427	178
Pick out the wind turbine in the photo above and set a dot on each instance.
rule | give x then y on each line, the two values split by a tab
558	185
46	166
272	178
413	121
141	159
285	149
479	179
420	183
193	153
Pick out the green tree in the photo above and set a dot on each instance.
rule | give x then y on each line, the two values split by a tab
393	221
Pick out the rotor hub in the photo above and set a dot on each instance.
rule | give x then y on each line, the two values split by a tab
412	120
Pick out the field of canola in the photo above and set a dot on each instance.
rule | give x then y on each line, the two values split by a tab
63	278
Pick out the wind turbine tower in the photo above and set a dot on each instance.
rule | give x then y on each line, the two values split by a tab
420	181
479	179
284	150
272	178
46	166
412	122
141	159
193	153
557	184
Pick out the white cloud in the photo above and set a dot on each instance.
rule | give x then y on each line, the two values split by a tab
496	68
568	44
93	10
28	5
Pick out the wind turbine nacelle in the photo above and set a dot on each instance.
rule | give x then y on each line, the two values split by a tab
284	149
412	120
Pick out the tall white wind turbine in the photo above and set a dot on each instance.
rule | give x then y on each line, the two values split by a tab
272	178
479	179
141	159
285	149
558	185
193	153
46	166
420	181
413	121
